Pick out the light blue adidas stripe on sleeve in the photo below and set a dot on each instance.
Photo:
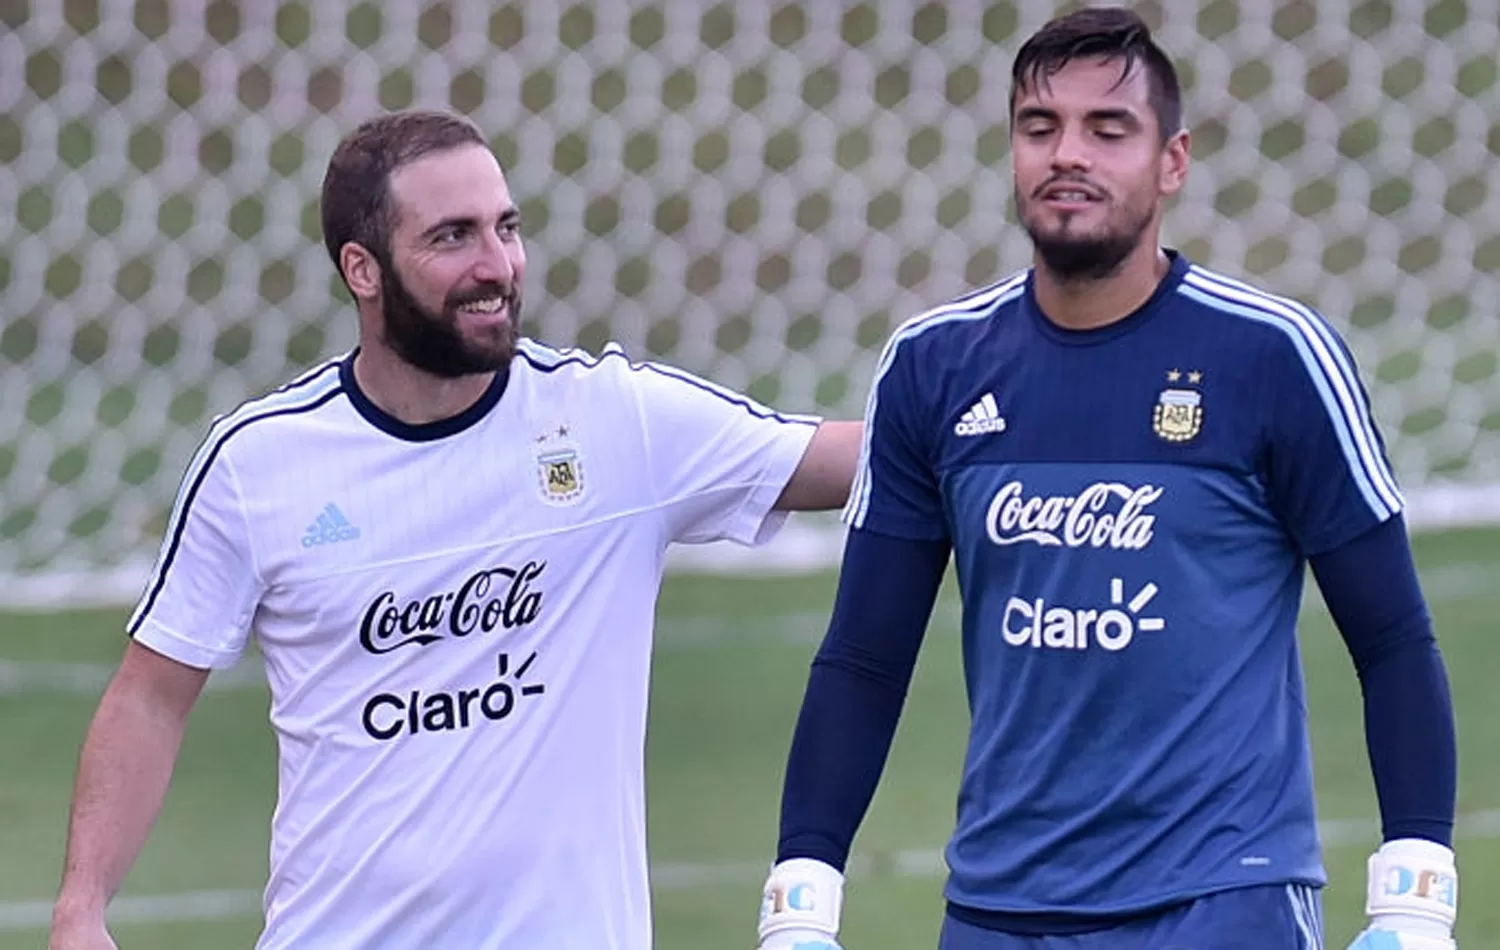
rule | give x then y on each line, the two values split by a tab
1328	366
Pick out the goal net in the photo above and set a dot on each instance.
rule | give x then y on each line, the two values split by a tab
756	191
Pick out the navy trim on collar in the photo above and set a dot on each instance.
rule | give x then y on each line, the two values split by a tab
426	431
1175	272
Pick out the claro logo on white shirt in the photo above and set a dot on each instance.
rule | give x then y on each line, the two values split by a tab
1103	515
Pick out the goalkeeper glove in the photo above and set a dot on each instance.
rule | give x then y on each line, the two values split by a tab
1412	898
799	908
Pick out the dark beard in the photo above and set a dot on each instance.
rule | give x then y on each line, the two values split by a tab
1083	259
1074	261
432	341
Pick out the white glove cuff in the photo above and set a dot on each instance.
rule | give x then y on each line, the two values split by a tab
802	894
1414	878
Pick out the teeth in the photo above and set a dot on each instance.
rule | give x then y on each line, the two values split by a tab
1070	195
490	305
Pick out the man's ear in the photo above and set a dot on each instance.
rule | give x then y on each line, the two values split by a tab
361	271
1175	157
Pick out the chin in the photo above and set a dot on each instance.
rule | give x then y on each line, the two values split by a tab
496	353
1070	237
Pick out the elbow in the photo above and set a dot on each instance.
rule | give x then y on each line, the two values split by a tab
861	669
825	475
1414	648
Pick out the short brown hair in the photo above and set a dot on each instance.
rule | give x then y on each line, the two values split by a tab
1110	33
356	203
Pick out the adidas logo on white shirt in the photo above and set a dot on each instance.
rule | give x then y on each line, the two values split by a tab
983	418
330	527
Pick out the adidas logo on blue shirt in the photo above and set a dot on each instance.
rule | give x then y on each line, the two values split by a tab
330	527
984	417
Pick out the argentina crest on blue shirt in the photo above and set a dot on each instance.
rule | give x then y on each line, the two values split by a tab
1178	416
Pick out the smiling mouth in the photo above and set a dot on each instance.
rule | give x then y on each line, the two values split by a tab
485	306
1062	191
1068	196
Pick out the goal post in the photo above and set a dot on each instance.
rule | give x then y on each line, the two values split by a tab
756	190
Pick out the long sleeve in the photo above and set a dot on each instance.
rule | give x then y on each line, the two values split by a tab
856	691
1371	588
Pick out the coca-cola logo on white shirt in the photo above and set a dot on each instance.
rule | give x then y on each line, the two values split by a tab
1103	515
495	598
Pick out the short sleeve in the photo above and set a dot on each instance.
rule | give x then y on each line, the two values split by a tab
202	594
718	459
1329	478
896	489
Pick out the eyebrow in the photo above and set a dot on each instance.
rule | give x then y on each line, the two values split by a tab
508	216
1115	114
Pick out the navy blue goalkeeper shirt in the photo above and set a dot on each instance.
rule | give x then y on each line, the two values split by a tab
1130	511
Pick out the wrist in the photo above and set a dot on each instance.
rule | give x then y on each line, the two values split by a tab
1414	880
75	915
801	894
77	905
1407	924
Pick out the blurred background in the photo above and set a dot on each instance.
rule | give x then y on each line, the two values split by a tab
756	191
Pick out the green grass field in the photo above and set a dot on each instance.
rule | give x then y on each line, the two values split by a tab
729	673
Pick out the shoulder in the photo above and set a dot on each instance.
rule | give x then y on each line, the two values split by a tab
951	325
267	429
1288	328
576	368
280	413
613	375
570	361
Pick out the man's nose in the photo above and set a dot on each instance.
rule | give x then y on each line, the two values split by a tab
494	263
1072	152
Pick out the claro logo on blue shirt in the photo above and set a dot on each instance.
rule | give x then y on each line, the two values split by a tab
1037	623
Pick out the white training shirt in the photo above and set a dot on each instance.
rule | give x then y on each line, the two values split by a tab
456	620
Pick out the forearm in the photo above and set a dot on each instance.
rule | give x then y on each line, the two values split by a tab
1409	732
123	772
855	692
1372	591
838	752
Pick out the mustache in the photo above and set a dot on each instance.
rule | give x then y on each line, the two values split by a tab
1070	180
481	291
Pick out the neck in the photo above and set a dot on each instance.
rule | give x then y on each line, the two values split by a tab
406	393
1091	304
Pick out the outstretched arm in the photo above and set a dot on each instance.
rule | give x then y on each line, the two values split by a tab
826	472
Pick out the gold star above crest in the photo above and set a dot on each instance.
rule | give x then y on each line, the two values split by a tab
1195	377
1173	375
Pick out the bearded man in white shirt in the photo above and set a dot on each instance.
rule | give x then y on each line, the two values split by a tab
447	545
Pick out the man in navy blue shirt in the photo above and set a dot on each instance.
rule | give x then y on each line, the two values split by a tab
1131	460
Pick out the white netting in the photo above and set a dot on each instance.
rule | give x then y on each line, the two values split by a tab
757	191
